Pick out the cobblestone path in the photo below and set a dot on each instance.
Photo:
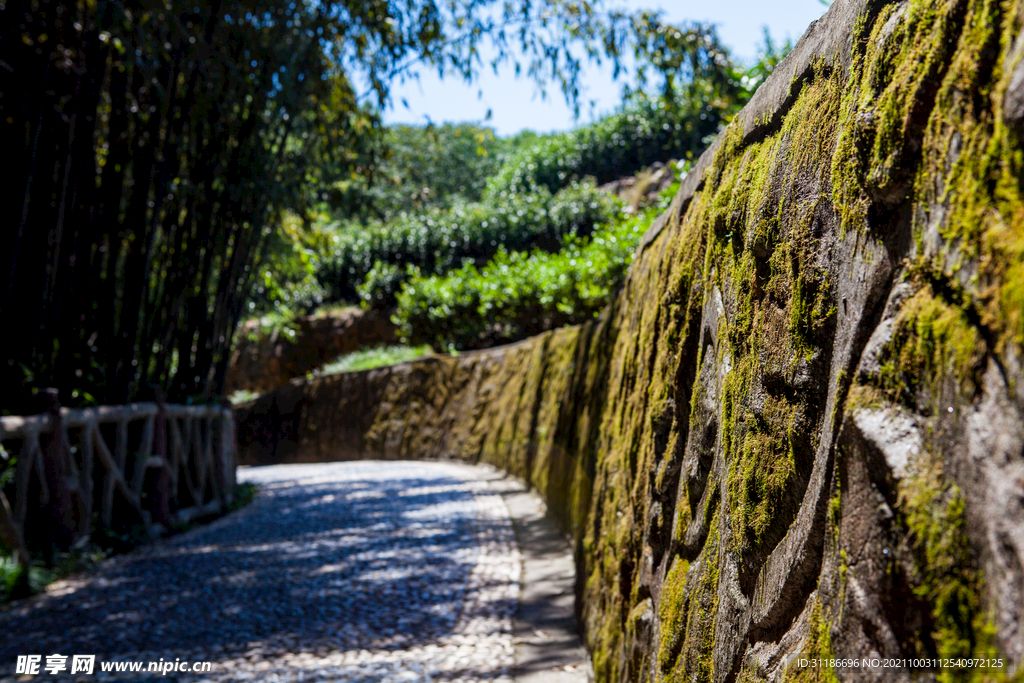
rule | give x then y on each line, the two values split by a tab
358	572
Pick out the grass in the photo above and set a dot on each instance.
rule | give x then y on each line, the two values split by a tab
244	494
335	311
10	573
367	359
12	584
242	396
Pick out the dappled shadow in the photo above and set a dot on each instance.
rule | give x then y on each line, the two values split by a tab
362	557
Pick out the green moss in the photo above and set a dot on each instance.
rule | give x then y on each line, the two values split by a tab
903	68
924	104
683	517
932	340
835	510
740	190
764	469
764	254
749	233
895	69
695	660
672	613
818	645
948	577
983	224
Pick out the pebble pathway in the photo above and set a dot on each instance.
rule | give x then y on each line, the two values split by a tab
359	572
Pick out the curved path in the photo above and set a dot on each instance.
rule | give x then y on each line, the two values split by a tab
356	572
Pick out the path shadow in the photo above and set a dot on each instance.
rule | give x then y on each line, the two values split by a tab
319	562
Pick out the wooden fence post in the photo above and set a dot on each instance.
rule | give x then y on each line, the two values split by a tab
59	527
162	484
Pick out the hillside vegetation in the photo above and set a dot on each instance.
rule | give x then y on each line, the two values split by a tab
470	240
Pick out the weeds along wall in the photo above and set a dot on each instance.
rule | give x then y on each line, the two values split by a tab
799	428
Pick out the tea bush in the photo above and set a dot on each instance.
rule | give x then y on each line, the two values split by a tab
646	131
442	240
518	294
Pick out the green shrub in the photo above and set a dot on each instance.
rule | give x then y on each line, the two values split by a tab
439	207
381	285
439	241
285	280
245	493
646	131
519	294
678	124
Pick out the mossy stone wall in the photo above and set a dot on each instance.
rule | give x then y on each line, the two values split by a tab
799	429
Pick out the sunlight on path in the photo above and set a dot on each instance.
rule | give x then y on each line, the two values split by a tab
362	571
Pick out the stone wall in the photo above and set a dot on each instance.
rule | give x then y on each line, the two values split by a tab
798	431
263	361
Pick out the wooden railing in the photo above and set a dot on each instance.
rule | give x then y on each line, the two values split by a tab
143	465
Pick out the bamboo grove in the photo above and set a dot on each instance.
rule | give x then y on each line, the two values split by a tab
152	144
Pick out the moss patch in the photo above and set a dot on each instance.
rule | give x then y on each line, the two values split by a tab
818	645
672	613
948	577
973	168
761	217
932	341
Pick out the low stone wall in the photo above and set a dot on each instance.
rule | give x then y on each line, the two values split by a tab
261	362
799	429
517	407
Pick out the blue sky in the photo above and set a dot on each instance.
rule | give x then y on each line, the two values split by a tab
516	105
